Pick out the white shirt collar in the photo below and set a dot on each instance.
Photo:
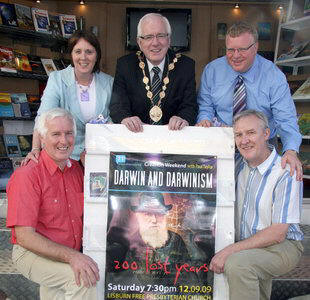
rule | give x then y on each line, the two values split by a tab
160	66
262	168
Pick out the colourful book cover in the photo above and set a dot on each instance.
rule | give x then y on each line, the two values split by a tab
20	105
68	25
11	145
24	18
304	124
21	61
33	98
2	147
55	28
303	92
6	109
36	65
7	61
6	170
48	65
5	97
8	14
25	144
40	19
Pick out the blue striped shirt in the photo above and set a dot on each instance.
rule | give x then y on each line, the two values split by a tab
267	195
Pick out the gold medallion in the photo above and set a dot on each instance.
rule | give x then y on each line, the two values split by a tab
156	113
149	94
166	80
145	80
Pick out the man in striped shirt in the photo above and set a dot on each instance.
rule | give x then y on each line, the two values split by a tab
268	205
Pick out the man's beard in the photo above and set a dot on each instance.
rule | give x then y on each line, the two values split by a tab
154	237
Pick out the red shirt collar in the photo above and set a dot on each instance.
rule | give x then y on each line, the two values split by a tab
50	164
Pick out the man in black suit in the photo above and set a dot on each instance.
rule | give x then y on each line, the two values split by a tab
162	95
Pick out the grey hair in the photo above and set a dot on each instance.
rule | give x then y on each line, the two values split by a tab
242	27
40	125
149	16
251	112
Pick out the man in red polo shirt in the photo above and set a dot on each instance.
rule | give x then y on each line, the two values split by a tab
45	210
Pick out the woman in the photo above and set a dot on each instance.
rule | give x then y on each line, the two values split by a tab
81	88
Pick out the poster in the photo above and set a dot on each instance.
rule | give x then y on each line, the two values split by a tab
161	224
264	31
191	145
221	31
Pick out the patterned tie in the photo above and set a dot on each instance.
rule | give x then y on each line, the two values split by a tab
239	96
155	85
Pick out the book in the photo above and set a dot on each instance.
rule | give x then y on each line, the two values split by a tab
6	170
33	99
68	25
40	19
8	14
24	18
303	92
36	65
5	97
7	61
55	28
59	64
307	8
305	51
304	124
11	145
25	143
16	162
21	61
34	104
2	147
294	50
6	108
48	65
20	105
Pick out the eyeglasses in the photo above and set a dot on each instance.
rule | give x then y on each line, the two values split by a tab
150	37
239	50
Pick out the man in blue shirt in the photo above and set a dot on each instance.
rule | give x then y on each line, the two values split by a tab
266	90
267	214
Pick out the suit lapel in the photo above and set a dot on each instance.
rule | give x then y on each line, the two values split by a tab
139	76
73	102
101	94
171	74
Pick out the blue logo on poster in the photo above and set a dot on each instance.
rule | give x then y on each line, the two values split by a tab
120	159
